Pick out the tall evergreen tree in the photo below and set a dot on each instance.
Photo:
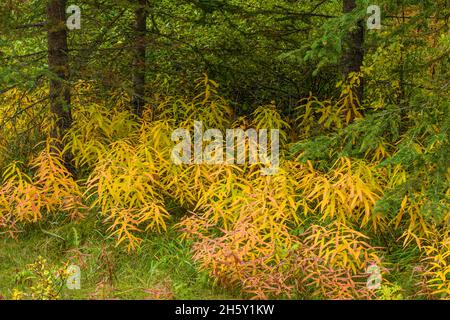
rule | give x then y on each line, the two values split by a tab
58	62
140	28
353	56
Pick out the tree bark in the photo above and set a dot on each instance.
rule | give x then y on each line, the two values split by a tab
353	56
58	62
140	28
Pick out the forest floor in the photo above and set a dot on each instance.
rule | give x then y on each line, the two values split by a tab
161	269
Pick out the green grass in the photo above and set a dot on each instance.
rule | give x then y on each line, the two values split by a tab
162	268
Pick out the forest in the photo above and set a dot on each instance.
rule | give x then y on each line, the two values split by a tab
224	149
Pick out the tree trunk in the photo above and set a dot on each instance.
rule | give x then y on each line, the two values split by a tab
140	27
58	62
353	55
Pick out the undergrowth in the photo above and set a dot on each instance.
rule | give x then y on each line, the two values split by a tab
309	231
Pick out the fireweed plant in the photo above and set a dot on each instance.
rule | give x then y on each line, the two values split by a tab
308	228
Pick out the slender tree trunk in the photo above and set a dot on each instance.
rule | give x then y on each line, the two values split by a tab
58	62
353	55
140	27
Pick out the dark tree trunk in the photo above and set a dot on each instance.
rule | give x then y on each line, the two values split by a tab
353	55
140	27
58	62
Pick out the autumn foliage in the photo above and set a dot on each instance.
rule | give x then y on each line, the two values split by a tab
310	230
